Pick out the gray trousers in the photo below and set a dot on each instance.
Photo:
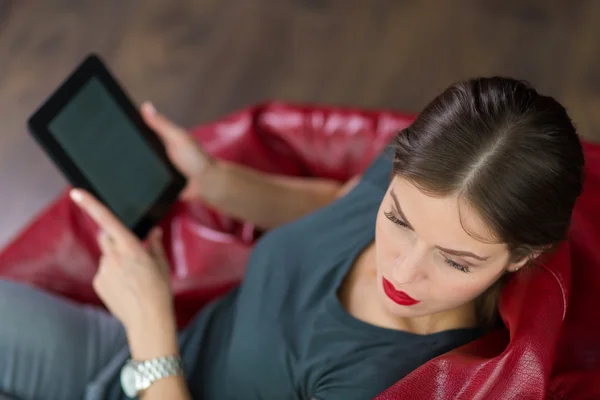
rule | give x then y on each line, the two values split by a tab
51	347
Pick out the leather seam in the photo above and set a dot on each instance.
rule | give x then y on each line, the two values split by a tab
561	286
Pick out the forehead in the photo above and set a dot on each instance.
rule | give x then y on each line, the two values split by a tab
447	221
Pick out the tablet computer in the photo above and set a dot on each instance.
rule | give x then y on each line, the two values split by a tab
96	136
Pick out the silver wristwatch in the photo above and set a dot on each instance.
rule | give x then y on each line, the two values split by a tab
137	376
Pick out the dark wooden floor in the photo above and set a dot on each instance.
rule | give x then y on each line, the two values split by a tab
199	59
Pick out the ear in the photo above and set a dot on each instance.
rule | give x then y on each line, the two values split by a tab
514	267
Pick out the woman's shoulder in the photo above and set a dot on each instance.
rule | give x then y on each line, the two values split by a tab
327	234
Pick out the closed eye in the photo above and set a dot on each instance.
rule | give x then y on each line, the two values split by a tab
399	222
456	265
395	219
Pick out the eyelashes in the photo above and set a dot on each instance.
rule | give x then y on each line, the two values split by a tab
395	220
399	222
456	265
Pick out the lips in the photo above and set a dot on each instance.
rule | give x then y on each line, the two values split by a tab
397	296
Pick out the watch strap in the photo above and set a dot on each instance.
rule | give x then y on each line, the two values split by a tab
157	368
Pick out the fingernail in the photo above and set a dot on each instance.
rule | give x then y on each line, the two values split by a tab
76	195
150	108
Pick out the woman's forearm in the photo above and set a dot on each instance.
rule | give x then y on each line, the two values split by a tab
267	200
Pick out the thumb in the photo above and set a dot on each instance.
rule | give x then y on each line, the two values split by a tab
166	130
189	193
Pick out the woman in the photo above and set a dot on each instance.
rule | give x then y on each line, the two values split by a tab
402	265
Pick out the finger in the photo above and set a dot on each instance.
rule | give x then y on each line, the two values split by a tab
188	194
110	254
157	251
107	221
99	281
105	242
108	265
156	248
164	128
101	270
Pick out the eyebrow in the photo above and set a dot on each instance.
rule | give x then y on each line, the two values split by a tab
458	253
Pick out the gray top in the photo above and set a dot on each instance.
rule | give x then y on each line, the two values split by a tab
283	334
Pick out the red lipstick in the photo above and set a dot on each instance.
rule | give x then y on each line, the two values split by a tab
398	296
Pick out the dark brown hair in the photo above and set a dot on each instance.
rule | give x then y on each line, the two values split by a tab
510	152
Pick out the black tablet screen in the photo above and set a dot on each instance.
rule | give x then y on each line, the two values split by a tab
109	150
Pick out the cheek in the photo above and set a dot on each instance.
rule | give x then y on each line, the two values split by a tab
382	239
461	289
391	242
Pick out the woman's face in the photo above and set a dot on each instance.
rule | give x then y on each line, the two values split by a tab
427	263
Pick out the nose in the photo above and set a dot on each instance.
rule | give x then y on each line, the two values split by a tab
409	266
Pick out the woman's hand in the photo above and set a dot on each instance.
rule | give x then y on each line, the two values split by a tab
267	200
183	151
133	282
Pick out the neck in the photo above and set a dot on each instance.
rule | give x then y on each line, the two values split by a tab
457	318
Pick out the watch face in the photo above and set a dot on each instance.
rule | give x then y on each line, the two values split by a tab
128	380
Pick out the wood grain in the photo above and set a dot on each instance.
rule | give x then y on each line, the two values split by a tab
199	59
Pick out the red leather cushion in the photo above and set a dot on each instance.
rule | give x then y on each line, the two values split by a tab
542	353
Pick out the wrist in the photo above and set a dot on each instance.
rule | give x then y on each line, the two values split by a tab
214	182
143	349
154	340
